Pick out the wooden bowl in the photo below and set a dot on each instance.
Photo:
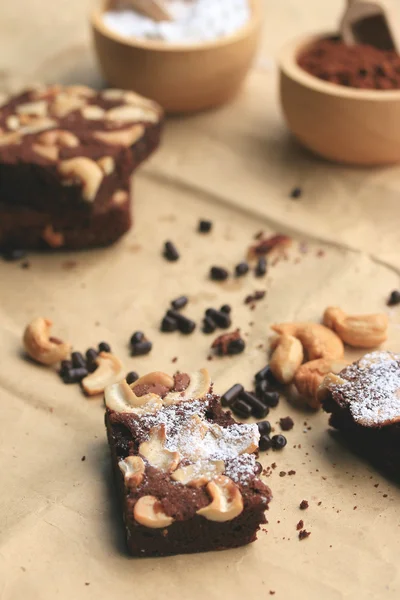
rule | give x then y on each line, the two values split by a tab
346	125
182	78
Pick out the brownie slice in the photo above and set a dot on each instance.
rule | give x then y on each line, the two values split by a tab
66	159
364	402
185	471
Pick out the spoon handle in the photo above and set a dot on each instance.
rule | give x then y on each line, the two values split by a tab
154	9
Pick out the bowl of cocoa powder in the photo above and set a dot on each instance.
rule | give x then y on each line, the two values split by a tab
342	102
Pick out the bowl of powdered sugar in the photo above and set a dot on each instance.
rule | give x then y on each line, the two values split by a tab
196	60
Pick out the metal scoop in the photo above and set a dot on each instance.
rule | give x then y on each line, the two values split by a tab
370	23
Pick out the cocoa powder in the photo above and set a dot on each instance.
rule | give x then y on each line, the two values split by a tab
360	66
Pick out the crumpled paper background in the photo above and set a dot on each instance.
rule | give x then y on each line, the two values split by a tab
60	531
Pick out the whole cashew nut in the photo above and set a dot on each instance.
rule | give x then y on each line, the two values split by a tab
41	346
310	376
227	501
86	171
360	331
148	512
318	341
109	370
286	358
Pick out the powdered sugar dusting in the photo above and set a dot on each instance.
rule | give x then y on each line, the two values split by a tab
371	389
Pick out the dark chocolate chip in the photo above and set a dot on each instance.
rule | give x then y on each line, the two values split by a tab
241	269
264	427
104	347
394	298
221	319
78	362
265	374
208	325
168	324
91	356
137	337
296	192
185	325
241	409
26	264
258	408
205	226
271	399
225	308
132	377
278	442
265	443
75	375
236	347
180	302
141	348
66	365
13	254
170	252
218	274
261	267
231	395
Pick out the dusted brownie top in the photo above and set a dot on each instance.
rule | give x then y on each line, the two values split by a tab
79	134
180	452
369	390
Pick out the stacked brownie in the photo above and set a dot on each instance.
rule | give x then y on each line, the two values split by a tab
66	158
185	470
364	402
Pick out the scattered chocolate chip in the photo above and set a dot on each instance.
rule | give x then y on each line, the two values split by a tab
26	264
220	318
218	274
261	267
225	308
394	298
137	337
170	252
241	269
265	374
296	193
66	365
241	409
180	302
104	347
13	254
258	409
78	362
141	348
132	377
300	525
75	375
264	427
168	324
185	325
236	347
91	357
278	442
205	226
271	399
286	423
265	442
208	325
303	534
231	395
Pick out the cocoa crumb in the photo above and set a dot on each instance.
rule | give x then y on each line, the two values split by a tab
69	264
376	485
271	592
304	504
320	253
291	472
83	458
303	534
257	295
282	473
385	495
319	503
26	264
259	235
174	359
300	525
273	466
266	245
286	423
354	507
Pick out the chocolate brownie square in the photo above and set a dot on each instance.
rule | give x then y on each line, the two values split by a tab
364	402
186	472
66	159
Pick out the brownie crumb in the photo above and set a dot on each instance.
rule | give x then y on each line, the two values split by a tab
174	359
304	504
229	343
296	193
26	264
259	235
291	472
303	534
273	466
282	473
83	458
257	295
354	507
271	592
300	525
286	423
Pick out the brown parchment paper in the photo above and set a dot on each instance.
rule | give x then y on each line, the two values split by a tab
60	531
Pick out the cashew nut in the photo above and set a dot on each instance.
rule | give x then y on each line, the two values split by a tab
54	239
318	341
148	512
80	90
40	346
155	452
199	474
198	388
324	389
286	358
65	103
6	139
360	331
227	501
109	370
120	137
119	197
130	113
133	469
12	123
106	164
37	109
37	125
92	112
59	137
310	376
48	152
121	398
86	171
